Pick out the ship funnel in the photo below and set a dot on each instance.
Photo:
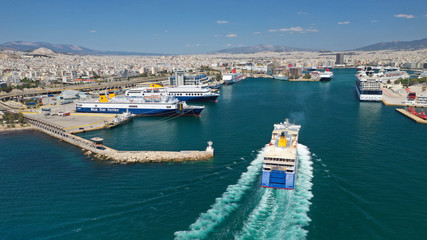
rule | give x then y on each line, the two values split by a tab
282	140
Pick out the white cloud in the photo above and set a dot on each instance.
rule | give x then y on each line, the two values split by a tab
257	33
228	45
346	22
221	22
166	31
193	45
302	13
231	35
92	31
294	29
408	16
374	21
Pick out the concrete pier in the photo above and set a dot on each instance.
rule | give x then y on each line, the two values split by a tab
106	153
411	116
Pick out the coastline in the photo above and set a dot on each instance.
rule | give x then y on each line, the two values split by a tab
4	129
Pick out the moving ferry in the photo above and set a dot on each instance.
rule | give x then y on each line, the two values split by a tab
155	104
280	163
188	93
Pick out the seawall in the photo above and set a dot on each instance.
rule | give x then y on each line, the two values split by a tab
106	153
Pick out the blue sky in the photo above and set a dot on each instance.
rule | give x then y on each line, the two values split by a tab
197	26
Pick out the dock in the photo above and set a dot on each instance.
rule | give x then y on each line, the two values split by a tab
105	153
411	116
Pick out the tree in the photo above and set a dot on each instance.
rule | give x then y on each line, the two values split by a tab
307	76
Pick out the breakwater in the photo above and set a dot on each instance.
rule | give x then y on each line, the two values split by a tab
106	153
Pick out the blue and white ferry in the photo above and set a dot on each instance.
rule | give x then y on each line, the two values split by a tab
155	104
280	163
188	93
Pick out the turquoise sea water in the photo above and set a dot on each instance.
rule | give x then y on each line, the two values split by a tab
362	173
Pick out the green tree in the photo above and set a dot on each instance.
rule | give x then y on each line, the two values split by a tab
307	76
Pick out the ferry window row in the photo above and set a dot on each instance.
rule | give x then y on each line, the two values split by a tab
280	165
279	159
185	94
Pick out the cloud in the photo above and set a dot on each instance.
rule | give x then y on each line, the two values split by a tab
166	31
302	13
92	31
257	33
346	22
374	21
193	45
294	29
408	16
221	22
231	35
228	45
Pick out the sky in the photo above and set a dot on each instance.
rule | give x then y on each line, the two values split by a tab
198	26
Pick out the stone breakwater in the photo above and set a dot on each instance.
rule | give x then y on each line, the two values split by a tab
124	157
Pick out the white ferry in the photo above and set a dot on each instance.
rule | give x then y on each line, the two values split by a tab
232	78
188	93
280	77
280	163
326	75
154	104
369	89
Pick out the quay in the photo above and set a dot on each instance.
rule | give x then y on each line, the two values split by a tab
109	154
411	116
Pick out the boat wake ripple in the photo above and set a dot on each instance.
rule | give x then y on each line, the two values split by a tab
283	214
225	204
279	214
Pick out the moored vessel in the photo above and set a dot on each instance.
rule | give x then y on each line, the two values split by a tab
369	89
280	163
188	93
232	78
156	104
326	75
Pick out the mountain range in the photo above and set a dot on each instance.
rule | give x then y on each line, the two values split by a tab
74	49
64	48
263	48
396	45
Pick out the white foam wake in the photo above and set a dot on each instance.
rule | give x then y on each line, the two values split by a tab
283	214
224	205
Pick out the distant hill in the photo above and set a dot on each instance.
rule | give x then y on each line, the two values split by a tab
64	48
262	48
396	45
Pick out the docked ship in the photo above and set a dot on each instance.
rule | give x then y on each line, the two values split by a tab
392	74
369	89
188	93
280	163
280	77
155	104
326	75
119	120
232	78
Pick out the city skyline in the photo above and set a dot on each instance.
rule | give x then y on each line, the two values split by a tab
198	27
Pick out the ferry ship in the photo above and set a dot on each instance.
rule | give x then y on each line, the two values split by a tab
188	93
280	163
326	75
155	104
369	89
231	78
280	77
392	74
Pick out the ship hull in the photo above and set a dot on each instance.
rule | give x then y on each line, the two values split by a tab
198	99
368	97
